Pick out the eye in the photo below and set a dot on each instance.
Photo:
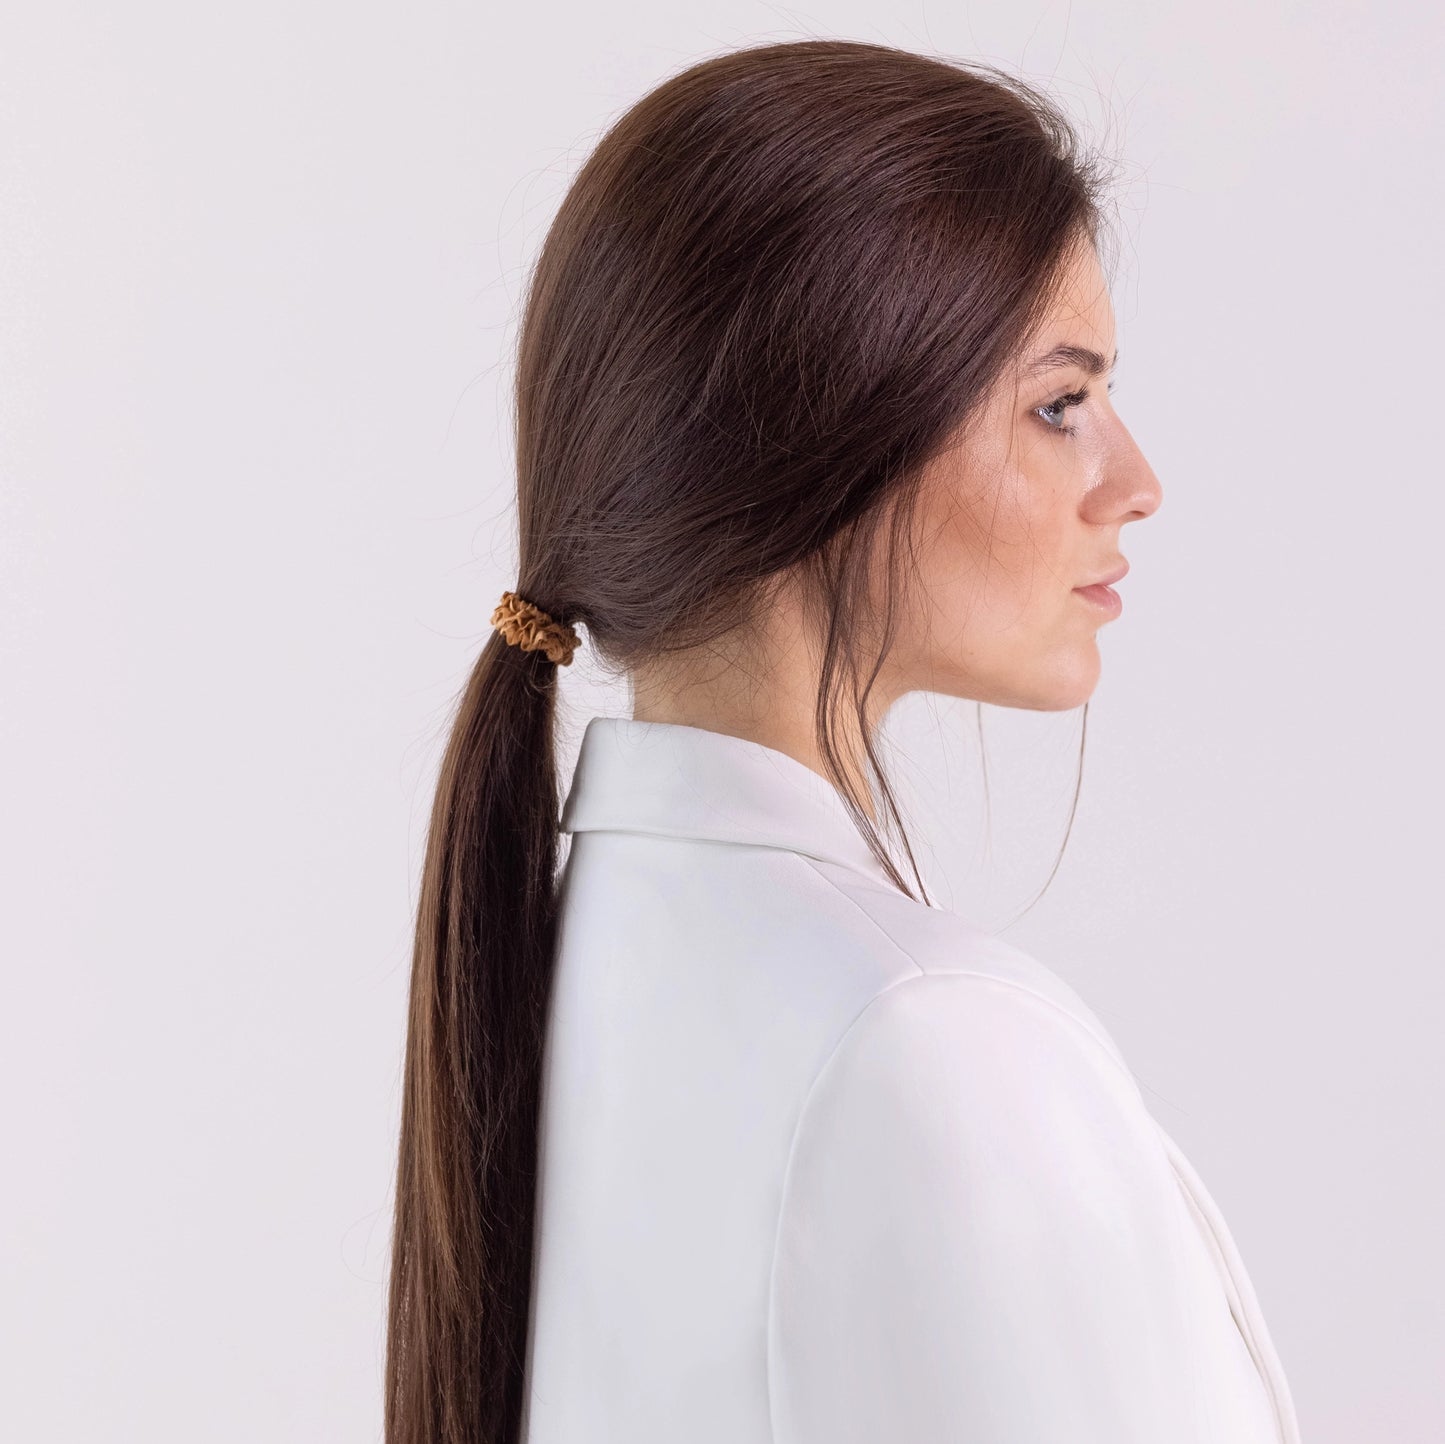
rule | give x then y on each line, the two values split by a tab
1052	415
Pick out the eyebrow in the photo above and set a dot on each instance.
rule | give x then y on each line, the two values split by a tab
1092	362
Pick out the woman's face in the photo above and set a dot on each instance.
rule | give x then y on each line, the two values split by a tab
1024	511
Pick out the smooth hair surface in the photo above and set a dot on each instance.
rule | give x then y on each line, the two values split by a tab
778	287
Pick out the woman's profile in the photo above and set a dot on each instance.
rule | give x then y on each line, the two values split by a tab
717	1128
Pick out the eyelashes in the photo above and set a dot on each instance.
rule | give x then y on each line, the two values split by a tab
1052	415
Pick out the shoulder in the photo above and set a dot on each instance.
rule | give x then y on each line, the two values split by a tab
980	1232
971	968
976	1082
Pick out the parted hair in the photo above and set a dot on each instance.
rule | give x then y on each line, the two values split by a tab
779	285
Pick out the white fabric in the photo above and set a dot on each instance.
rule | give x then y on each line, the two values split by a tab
821	1164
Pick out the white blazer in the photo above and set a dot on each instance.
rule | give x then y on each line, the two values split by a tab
821	1164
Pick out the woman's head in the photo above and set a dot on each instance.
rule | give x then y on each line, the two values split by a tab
777	449
769	442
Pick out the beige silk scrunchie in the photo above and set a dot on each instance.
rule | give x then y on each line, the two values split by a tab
531	629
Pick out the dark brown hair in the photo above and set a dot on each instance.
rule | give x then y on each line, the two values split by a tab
778	287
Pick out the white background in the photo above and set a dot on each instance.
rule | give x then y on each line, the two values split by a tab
259	276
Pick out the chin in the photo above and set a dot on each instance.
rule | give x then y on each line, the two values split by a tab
1046	681
1056	683
1070	682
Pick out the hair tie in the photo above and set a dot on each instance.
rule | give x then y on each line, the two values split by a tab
530	628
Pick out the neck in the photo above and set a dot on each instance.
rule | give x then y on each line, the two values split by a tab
763	690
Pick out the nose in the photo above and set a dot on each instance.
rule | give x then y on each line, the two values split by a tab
1131	491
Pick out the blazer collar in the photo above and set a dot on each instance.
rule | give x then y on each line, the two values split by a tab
681	781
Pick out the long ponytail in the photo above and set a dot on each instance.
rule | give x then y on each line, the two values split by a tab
462	1237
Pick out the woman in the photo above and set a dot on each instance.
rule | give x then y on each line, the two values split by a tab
726	1132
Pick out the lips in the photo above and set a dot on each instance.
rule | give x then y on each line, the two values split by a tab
1108	578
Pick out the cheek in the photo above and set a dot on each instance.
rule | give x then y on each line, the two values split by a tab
1004	567
996	566
997	550
1005	627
